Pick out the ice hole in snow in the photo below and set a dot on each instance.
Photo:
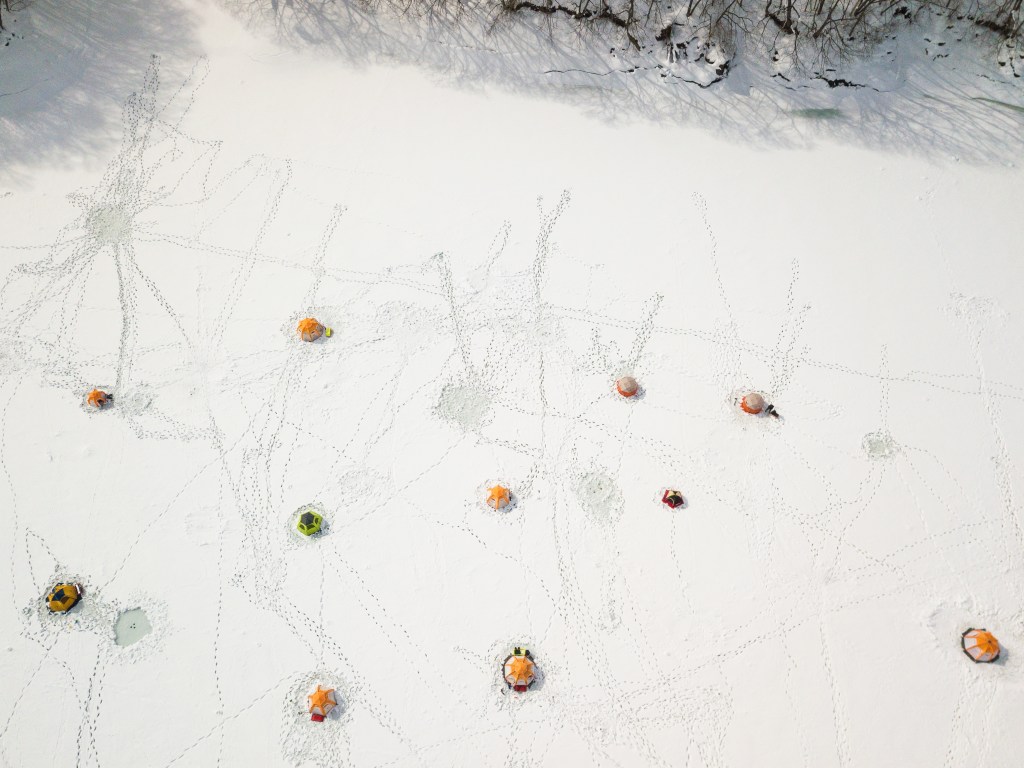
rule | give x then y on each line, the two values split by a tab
131	626
879	445
465	405
109	224
599	496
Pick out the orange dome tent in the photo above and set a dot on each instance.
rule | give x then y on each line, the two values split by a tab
755	404
752	403
498	497
310	329
519	670
98	398
321	701
627	386
981	645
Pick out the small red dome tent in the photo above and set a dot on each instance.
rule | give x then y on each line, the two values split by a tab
672	499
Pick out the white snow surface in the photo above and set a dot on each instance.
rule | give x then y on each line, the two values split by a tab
490	260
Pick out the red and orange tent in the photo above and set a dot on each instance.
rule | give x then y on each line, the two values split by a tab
321	702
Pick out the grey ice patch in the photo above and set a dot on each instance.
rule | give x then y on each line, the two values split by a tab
131	626
879	445
599	496
464	405
109	224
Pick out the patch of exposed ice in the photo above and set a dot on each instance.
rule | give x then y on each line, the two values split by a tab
599	496
131	626
109	224
465	405
879	445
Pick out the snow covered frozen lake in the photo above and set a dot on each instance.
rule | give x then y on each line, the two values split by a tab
490	260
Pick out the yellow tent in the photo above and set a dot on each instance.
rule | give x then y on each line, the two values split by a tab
63	597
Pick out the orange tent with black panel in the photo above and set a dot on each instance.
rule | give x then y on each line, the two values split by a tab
98	398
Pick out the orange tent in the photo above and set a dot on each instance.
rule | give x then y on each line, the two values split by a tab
519	670
672	499
310	329
498	497
980	645
321	701
98	398
627	386
752	403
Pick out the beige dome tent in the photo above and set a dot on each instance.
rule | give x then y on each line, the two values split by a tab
310	329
